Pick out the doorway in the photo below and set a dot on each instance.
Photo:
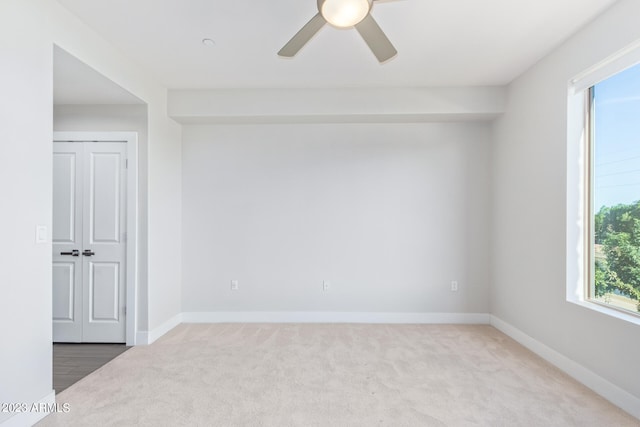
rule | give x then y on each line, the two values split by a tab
94	237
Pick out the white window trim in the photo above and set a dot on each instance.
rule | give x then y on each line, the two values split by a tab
578	187
621	60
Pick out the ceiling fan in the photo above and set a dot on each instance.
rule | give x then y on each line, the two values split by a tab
344	14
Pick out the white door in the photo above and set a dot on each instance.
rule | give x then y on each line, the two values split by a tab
89	221
67	241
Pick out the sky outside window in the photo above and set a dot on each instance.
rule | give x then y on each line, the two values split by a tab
617	139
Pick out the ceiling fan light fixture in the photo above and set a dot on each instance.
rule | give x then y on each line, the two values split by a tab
345	13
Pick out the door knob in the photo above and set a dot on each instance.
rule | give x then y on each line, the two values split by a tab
74	252
88	252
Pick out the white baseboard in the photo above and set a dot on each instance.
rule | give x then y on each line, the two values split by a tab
604	388
333	317
148	337
29	418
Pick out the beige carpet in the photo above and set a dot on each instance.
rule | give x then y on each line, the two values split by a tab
332	375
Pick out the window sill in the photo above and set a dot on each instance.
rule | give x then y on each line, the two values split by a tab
612	312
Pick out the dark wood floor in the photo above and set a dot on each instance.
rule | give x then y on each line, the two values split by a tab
72	362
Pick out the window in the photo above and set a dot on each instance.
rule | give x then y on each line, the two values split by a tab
613	256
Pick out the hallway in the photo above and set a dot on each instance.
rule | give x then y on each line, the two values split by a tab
72	362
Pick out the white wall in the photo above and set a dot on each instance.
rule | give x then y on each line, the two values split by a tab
28	31
25	194
388	213
119	118
529	213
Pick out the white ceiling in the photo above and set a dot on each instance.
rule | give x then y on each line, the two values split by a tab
440	42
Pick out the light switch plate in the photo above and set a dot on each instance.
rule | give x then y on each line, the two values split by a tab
41	234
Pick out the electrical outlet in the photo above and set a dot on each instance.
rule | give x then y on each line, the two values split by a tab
454	286
234	285
326	285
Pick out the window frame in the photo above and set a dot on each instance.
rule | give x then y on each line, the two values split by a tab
589	225
588	200
576	213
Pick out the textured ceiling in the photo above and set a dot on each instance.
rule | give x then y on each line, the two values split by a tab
440	42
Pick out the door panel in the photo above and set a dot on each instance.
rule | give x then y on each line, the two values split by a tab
89	216
64	291
64	197
104	289
104	205
67	237
103	235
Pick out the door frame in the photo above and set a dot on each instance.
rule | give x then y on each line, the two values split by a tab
131	276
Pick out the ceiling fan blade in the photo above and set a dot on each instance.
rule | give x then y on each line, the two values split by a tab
376	39
303	36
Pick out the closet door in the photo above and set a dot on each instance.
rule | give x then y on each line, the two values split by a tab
67	242
89	242
103	242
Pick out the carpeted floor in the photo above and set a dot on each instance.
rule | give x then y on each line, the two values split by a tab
332	375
